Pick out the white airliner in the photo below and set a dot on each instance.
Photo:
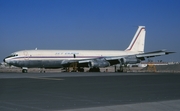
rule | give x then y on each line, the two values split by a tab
94	59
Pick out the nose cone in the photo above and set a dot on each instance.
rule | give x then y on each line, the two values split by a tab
4	60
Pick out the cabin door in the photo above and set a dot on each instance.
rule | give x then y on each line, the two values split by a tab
26	55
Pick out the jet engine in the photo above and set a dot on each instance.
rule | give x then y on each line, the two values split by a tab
130	60
99	63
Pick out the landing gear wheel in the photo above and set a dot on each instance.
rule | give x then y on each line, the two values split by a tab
24	71
94	70
80	69
41	71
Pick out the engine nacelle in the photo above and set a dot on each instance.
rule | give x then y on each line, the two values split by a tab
130	60
99	63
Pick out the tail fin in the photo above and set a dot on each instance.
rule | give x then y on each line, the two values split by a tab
138	42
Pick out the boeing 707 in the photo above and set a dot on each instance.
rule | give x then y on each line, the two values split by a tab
94	59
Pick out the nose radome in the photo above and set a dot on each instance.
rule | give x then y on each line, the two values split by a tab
4	60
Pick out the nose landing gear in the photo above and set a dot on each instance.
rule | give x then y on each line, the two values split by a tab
24	70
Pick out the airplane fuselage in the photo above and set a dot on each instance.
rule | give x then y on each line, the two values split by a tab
56	58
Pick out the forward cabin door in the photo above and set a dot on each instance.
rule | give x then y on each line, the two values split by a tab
26	59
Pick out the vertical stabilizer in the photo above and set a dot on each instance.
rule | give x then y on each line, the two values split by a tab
138	41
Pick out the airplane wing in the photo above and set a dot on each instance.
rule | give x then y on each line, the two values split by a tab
103	61
153	54
95	62
108	61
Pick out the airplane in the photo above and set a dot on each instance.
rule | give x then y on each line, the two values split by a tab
94	59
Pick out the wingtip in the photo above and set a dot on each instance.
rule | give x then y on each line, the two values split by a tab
169	52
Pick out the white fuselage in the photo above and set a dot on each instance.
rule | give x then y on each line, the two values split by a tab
55	58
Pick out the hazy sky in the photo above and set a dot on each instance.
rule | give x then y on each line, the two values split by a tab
88	24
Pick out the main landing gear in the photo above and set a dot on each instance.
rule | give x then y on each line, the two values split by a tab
94	69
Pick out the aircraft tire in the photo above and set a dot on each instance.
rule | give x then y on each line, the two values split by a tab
24	71
94	70
80	69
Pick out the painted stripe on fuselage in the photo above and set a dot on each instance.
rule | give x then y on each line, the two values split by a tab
53	57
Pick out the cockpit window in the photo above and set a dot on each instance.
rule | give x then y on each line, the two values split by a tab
12	55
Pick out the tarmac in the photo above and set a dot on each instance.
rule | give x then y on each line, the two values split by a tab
89	91
172	68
